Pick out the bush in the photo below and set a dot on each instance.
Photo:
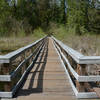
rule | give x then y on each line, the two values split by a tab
39	33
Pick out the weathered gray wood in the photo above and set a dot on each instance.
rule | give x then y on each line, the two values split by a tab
73	53
5	78
69	66
11	56
80	85
4	59
79	78
27	70
90	60
6	94
78	57
11	93
78	95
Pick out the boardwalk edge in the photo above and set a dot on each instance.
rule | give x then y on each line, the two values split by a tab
79	95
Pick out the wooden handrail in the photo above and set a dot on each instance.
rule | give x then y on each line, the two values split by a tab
7	59
11	56
78	57
75	64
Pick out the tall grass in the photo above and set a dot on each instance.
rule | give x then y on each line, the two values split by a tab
87	43
8	44
39	33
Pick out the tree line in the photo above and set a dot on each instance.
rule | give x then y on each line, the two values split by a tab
83	16
28	15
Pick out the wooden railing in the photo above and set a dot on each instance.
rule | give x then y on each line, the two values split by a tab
15	66
77	67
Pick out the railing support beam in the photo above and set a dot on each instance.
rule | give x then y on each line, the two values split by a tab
6	68
81	70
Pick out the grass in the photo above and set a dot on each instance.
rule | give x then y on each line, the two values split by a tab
87	44
8	44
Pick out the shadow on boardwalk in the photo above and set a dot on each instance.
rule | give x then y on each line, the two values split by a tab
40	67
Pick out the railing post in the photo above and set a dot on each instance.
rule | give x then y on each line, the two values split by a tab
23	67
31	51
7	86
6	68
26	55
81	70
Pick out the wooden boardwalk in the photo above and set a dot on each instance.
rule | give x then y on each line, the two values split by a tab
47	80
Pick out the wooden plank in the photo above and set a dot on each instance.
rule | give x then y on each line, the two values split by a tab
90	60
87	95
4	59
23	67
5	78
80	85
6	68
6	94
90	78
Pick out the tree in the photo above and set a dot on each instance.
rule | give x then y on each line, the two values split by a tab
78	15
4	15
63	12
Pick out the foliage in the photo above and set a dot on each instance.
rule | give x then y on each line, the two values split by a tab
94	20
77	15
83	16
4	13
38	33
28	15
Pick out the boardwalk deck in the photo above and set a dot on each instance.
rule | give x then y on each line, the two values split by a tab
47	80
